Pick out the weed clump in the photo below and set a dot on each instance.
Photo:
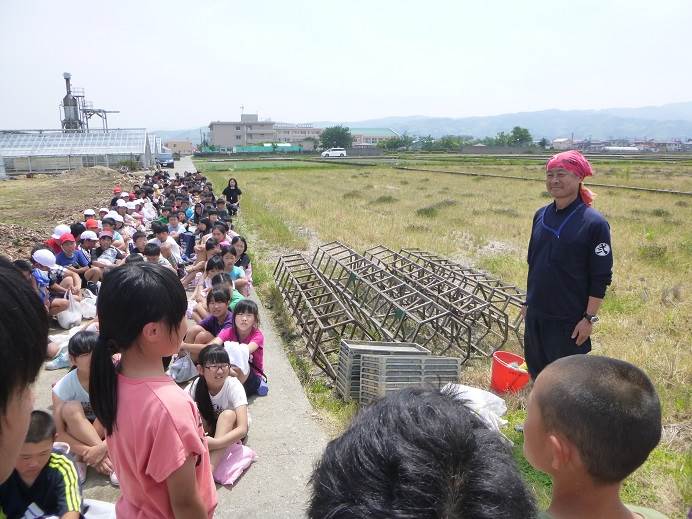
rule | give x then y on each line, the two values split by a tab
385	199
428	212
660	212
350	195
652	252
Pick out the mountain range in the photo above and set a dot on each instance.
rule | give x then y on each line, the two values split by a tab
669	121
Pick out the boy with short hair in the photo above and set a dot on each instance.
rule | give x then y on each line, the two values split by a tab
138	243
168	245
152	254
45	481
105	256
591	422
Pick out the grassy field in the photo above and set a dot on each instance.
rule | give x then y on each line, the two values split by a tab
486	222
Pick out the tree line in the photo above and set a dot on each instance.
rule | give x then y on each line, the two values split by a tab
340	137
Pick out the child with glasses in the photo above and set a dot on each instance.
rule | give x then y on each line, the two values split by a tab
221	401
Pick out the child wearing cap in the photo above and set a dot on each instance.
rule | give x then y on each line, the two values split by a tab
70	256
53	243
45	274
105	256
89	213
591	422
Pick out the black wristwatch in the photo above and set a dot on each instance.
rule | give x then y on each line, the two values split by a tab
593	319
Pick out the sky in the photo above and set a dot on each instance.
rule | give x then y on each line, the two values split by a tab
178	64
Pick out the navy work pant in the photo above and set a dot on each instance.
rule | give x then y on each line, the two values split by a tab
546	340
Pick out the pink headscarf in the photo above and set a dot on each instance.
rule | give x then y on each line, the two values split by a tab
575	163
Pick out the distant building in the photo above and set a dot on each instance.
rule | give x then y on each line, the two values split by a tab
369	137
182	147
562	143
246	132
296	133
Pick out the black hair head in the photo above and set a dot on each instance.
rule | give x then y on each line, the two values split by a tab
108	221
41	427
158	296
134	259
222	280
152	249
614	417
418	453
210	354
214	263
234	180
212	211
23	334
246	306
221	227
22	265
218	295
211	244
158	227
237	239
76	229
228	249
82	342
137	235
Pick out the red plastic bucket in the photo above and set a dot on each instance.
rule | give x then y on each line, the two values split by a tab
505	378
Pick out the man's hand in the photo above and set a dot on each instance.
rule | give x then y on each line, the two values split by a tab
523	311
582	331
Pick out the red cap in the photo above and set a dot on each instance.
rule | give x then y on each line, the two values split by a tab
117	189
67	237
91	224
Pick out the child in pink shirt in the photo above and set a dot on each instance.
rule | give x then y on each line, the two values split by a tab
245	330
154	432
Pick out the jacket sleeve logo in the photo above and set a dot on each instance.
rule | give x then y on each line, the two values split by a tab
602	249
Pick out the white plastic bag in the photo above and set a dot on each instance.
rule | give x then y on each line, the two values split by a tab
72	316
182	369
485	404
88	305
239	355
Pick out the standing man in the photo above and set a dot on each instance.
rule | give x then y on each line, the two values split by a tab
570	265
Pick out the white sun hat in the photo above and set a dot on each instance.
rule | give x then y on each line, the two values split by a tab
44	257
59	231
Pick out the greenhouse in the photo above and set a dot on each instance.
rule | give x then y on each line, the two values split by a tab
51	150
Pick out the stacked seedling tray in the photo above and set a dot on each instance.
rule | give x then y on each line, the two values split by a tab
349	369
380	374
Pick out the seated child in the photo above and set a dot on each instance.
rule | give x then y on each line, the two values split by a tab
139	241
74	418
225	281
221	401
219	318
245	330
591	422
229	255
197	306
208	250
44	481
42	261
152	254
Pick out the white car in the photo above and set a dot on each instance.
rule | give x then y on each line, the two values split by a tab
334	152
